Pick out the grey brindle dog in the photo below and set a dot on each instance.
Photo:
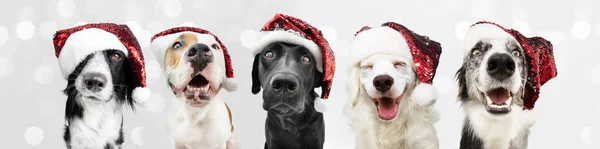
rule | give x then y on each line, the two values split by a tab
288	76
490	89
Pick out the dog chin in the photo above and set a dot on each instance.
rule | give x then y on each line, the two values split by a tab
197	103
282	110
94	99
387	108
498	101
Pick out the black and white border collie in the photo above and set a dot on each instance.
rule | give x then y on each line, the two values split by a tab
97	90
491	82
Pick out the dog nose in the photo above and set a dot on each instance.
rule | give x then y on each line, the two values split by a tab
500	66
383	83
94	81
198	51
283	83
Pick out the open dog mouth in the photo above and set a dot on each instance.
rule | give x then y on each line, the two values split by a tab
387	108
498	100
198	88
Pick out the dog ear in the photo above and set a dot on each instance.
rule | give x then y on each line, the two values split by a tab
463	92
318	79
353	88
129	83
255	80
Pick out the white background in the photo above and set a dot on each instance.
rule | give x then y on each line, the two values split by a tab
32	105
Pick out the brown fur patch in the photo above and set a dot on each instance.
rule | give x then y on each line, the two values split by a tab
173	56
230	119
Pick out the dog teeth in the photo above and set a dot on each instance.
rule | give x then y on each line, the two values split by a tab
492	105
204	88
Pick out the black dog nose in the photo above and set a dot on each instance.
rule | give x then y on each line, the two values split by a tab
198	51
500	66
94	81
282	83
383	83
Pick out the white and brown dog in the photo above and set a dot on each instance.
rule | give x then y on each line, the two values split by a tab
391	96
196	66
499	82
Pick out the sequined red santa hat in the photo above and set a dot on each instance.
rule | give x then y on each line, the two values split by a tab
396	39
538	54
73	45
285	28
161	41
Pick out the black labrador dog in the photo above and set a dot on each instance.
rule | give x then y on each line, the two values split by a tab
288	75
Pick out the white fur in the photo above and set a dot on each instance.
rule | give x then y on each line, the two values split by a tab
412	127
82	43
102	118
265	38
100	125
480	31
495	132
207	127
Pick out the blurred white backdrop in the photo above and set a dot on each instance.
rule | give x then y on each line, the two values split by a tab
32	104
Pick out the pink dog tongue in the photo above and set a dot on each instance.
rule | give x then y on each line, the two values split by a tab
498	96
387	108
196	95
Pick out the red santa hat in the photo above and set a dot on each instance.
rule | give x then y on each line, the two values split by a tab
161	41
73	45
288	29
539	55
394	38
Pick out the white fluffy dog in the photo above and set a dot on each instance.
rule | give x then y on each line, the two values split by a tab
389	105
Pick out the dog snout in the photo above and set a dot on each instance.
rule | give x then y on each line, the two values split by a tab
94	82
285	83
383	83
500	66
199	52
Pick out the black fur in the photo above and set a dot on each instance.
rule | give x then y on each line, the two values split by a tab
463	93
122	78
468	139
304	127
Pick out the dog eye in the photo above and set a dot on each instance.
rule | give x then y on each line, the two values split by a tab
399	64
305	59
116	57
476	52
516	53
215	46
177	45
368	67
269	55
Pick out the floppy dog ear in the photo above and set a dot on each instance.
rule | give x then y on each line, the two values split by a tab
353	89
255	80
129	83
318	79
463	92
